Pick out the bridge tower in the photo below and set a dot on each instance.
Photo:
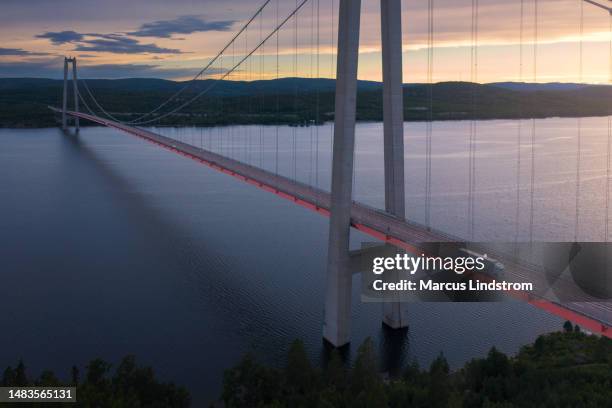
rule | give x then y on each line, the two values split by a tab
65	93
336	328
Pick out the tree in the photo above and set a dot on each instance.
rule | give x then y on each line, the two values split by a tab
126	374
143	390
96	371
335	373
20	380
568	327
8	378
496	363
439	384
249	383
365	371
299	373
74	375
412	372
48	379
545	374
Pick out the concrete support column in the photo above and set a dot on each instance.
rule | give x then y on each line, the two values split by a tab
337	325
393	124
76	93
65	95
393	106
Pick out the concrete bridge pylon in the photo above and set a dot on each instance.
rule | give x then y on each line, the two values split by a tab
337	324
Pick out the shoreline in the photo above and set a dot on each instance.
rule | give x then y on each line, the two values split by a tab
85	123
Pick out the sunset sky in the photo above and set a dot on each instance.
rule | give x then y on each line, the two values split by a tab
175	39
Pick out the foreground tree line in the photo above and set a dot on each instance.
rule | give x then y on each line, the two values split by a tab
564	369
129	386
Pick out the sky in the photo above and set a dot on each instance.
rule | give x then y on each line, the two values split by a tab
176	39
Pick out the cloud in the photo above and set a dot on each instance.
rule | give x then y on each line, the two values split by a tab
19	52
114	71
120	44
113	43
53	68
181	25
61	37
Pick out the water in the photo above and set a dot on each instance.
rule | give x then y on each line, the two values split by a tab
111	246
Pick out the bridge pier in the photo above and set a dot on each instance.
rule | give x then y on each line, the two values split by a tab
393	129
336	328
337	324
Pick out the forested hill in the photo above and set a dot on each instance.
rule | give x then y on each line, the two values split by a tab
23	101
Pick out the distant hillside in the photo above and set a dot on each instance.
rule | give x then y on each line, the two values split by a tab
551	86
222	88
23	101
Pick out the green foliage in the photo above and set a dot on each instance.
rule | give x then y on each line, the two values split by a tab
250	384
565	369
300	374
365	371
439	383
336	373
130	385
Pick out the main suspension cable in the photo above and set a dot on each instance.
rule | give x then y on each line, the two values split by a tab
277	93
609	144
533	120
473	124
96	102
429	124
579	126
232	69
317	108
207	66
295	96
520	127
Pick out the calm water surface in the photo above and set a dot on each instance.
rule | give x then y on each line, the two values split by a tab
111	246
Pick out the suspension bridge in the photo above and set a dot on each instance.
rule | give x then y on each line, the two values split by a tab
389	224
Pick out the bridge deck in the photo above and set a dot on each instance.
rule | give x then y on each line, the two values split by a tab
594	315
